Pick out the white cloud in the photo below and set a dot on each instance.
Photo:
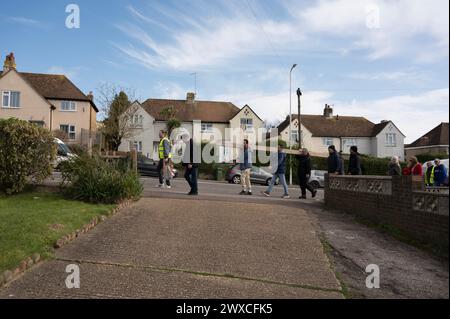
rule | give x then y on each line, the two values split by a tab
26	21
414	115
413	28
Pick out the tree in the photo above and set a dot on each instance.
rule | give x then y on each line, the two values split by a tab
172	121
119	113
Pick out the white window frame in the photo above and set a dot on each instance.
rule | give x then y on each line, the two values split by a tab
207	128
71	129
391	139
9	95
138	146
72	106
247	123
294	136
349	142
327	141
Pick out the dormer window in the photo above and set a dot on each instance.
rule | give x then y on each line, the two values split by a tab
11	99
68	106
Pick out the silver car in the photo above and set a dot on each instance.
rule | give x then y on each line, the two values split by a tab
317	179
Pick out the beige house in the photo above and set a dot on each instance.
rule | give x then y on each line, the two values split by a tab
48	100
320	131
212	118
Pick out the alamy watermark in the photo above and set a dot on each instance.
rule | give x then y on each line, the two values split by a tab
73	279
73	19
373	279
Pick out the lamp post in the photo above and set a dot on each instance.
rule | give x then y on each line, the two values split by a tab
290	121
299	94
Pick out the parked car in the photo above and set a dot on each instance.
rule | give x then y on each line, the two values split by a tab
63	153
317	179
149	167
258	175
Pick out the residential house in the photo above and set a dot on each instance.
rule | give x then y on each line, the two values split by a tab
150	117
433	142
48	100
320	131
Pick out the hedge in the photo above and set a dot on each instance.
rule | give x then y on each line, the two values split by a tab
26	154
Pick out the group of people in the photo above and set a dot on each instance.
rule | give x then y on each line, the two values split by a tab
435	174
165	164
279	172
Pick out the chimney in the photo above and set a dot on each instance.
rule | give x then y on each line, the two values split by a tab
328	111
10	63
90	96
190	98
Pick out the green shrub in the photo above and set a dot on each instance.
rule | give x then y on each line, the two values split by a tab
95	180
26	154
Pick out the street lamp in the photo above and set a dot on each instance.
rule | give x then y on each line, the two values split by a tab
299	94
290	121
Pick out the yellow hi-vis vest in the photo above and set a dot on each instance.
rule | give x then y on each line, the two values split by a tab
161	148
430	181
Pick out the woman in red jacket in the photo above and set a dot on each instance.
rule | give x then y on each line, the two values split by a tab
414	167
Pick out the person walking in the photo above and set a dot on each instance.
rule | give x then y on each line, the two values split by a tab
164	154
354	163
429	174
280	174
246	167
304	173
333	161
440	173
394	168
191	172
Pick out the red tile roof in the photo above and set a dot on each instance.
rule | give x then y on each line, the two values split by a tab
437	136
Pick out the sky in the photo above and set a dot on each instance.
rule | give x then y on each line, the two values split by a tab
381	59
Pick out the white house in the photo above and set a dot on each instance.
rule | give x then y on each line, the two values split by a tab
320	131
212	116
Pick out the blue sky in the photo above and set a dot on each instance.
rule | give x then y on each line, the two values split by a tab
382	59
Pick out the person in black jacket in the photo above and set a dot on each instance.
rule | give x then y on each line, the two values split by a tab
334	162
304	173
191	172
354	163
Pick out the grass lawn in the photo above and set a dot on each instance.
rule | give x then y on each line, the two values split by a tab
31	223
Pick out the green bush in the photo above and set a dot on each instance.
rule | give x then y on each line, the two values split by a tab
95	180
26	154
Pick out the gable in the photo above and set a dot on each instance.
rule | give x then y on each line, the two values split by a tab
12	80
388	127
246	111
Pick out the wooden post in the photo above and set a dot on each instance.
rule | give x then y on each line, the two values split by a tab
134	160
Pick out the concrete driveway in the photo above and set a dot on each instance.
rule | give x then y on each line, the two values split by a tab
197	248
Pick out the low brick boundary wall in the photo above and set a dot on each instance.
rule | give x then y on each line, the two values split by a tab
398	201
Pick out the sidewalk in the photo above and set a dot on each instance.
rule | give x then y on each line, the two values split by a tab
190	249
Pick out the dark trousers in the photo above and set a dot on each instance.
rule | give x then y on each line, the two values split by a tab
161	173
191	177
304	185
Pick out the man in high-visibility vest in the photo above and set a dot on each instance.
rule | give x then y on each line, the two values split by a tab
429	174
164	154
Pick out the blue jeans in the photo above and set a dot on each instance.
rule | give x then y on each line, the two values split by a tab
282	180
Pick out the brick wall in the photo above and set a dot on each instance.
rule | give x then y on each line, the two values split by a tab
395	201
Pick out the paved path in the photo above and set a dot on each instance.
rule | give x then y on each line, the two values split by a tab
180	248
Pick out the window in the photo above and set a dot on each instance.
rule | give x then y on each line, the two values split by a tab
294	136
247	124
138	146
391	139
207	128
327	141
11	99
68	106
69	130
349	142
